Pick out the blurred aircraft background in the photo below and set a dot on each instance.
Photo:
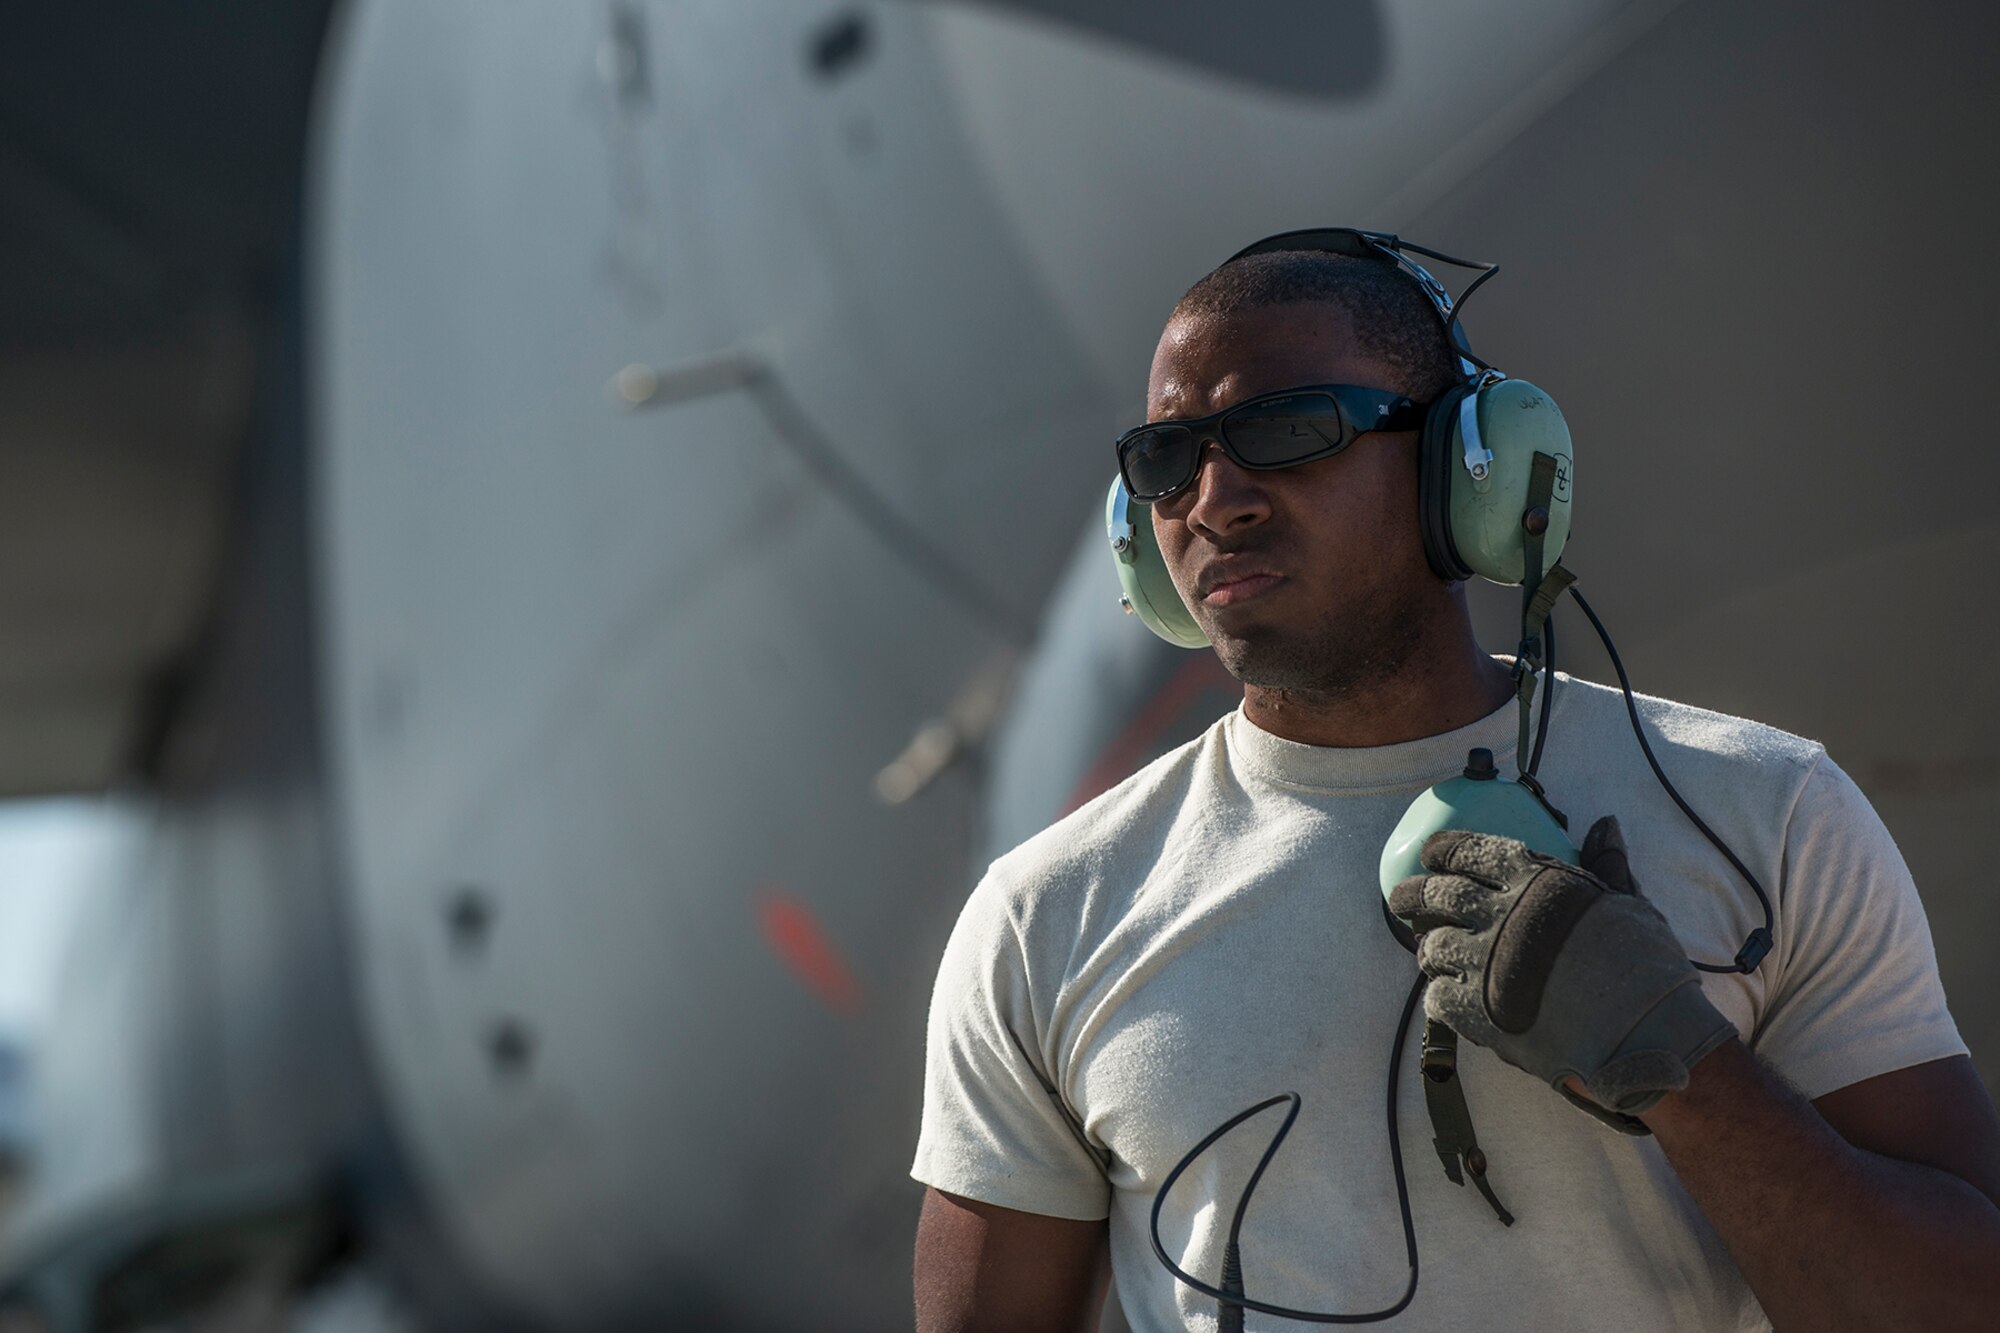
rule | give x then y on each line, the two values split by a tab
546	545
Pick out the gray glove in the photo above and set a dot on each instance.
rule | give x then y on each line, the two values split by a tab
1559	970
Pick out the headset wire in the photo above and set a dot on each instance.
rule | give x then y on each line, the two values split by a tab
1229	1297
1759	941
1548	695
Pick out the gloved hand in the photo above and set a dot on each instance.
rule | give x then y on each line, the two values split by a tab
1559	970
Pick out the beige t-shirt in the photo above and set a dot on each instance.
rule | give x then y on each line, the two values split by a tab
1210	933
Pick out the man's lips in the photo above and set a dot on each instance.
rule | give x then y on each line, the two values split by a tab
1228	589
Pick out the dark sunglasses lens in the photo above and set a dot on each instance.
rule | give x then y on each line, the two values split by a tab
1285	430
1158	460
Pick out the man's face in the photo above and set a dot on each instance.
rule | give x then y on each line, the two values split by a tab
1308	578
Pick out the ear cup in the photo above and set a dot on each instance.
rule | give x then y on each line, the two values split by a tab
1148	588
1517	422
1440	455
1473	525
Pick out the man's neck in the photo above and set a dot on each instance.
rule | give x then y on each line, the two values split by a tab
1438	693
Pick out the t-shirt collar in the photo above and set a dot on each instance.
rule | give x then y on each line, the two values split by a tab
1367	770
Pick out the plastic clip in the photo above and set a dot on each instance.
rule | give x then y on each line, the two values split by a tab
1753	950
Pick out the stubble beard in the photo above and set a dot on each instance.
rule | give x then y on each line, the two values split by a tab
1336	658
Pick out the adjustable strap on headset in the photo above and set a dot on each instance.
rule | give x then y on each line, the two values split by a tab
1540	588
1537	603
1451	1118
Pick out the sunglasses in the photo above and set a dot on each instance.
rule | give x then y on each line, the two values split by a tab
1273	430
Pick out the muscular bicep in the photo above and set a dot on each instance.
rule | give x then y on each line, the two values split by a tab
1935	1114
981	1267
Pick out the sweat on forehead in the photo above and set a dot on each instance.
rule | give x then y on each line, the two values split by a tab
1388	317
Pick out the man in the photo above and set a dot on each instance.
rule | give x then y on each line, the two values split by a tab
1210	933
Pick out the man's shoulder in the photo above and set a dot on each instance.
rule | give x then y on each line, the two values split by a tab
1719	745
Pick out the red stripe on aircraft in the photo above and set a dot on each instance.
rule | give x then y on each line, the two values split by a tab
802	944
1130	747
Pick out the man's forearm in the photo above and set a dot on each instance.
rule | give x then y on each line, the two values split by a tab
1828	1235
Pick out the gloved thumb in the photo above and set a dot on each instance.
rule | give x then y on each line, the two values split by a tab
1603	855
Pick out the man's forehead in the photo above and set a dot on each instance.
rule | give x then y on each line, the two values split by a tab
1205	363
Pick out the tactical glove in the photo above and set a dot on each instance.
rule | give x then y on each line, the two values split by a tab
1556	969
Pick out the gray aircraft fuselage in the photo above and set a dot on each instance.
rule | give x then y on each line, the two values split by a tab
706	416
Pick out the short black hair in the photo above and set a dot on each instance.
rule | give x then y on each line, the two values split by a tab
1392	318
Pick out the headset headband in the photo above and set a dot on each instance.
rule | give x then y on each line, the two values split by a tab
1386	246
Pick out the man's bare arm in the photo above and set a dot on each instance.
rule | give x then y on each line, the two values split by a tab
1876	1207
985	1269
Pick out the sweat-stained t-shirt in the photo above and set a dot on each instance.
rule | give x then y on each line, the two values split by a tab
1210	933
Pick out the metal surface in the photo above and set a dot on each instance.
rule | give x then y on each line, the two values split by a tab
558	832
528	590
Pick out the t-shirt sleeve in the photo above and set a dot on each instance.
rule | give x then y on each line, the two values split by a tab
1859	993
995	1125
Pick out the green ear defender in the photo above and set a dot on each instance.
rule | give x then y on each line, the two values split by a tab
1495	474
1147	588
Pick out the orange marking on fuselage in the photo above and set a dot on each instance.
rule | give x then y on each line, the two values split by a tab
1122	757
802	944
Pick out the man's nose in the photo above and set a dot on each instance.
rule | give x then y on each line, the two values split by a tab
1225	494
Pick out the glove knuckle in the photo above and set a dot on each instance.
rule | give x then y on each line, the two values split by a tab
1407	898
